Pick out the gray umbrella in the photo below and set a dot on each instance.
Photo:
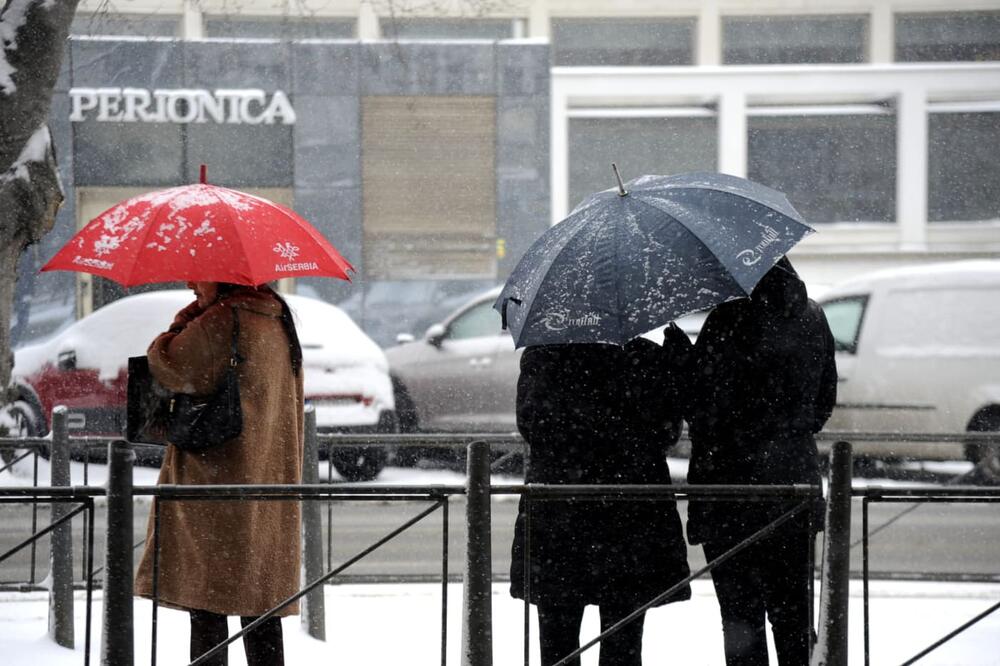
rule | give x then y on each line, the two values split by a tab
638	256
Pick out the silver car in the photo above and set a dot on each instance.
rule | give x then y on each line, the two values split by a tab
461	376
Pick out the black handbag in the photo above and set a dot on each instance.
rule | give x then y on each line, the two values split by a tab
196	423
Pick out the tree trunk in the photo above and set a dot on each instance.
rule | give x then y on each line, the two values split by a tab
34	34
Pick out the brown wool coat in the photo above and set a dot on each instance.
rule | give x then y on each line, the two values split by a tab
230	557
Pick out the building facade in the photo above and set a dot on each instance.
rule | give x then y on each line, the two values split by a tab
879	119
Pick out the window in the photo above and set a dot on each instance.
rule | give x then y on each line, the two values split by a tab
104	23
280	27
844	316
429	199
478	321
765	40
431	28
948	36
639	146
957	322
963	179
622	42
834	164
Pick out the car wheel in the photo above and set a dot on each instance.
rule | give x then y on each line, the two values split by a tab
21	420
363	463
987	420
359	463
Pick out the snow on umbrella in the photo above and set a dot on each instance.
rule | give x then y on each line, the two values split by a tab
200	233
638	256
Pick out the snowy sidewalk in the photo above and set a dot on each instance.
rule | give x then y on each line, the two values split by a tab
400	624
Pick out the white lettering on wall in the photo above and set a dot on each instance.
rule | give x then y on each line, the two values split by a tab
248	106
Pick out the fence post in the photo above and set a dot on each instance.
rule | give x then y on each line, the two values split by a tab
831	649
117	635
477	612
61	550
313	605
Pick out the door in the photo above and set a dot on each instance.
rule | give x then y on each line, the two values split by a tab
845	317
453	390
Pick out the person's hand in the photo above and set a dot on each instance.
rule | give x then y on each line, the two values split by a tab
673	335
185	317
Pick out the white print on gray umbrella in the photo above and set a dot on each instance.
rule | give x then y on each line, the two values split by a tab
749	257
560	321
287	250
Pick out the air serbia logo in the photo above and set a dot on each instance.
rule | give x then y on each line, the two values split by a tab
290	252
751	256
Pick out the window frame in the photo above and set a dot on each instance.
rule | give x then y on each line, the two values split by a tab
863	299
449	327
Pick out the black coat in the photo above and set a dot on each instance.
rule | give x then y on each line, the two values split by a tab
600	414
763	380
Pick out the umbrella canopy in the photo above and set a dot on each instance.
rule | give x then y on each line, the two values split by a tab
638	256
199	233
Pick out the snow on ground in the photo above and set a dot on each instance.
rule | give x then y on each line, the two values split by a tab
400	624
394	624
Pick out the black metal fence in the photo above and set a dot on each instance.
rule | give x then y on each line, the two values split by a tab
69	501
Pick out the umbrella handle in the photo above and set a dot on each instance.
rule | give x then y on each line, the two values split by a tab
621	186
503	310
203	175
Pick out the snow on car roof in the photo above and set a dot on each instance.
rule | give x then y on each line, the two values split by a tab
125	328
974	271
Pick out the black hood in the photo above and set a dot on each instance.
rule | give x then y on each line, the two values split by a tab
781	290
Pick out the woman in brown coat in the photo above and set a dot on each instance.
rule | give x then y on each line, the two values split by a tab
220	558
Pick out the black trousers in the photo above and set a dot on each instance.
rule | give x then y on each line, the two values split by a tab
769	578
263	645
559	634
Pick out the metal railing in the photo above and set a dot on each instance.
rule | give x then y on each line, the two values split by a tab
916	497
477	640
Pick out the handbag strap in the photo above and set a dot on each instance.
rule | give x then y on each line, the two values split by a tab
234	355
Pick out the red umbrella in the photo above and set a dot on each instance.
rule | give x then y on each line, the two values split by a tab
199	233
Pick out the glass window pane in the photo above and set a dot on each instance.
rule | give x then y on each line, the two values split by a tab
833	168
482	320
963	172
759	40
105	23
280	27
241	155
948	36
128	154
844	316
430	28
639	146
618	42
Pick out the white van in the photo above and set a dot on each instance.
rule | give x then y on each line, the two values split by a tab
918	351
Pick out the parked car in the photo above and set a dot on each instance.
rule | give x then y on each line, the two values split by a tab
389	309
461	376
918	351
84	367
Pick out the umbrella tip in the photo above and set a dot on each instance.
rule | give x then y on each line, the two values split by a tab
621	186
203	177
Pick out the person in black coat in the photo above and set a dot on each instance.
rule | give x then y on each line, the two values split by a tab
599	414
763	381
